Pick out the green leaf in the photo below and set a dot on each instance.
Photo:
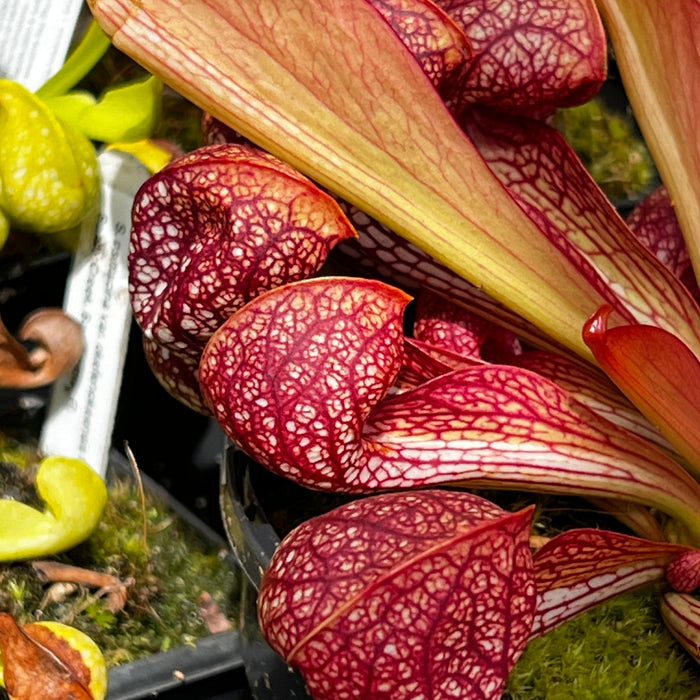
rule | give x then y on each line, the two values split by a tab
89	51
128	112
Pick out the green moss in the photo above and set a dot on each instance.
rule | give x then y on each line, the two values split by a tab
610	147
620	650
170	571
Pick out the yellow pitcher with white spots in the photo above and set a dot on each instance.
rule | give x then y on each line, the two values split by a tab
49	178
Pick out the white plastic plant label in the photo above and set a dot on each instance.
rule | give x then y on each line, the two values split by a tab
35	36
80	417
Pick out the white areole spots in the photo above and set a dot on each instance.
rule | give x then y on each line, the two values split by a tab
269	422
315	454
391	650
164	335
602	581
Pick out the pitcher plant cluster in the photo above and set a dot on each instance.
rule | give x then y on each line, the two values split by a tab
553	346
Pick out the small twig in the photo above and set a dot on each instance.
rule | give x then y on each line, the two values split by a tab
113	588
142	493
164	524
57	593
52	571
210	611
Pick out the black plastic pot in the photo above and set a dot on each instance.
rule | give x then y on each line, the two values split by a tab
194	669
254	540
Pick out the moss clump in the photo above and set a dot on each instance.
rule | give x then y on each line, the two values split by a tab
611	149
168	574
618	651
